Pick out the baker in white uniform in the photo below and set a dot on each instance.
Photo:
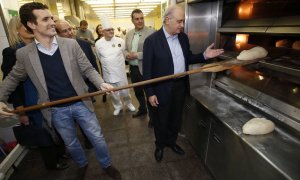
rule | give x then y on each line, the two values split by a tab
109	50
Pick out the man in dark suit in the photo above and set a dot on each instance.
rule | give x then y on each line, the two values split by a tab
64	29
167	52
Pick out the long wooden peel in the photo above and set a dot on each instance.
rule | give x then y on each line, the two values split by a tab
213	67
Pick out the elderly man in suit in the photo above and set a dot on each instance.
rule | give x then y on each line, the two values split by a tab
56	67
167	52
134	43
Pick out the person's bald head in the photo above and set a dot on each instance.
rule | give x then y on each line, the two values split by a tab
174	19
64	29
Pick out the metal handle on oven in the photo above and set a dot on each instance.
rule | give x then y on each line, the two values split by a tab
202	123
216	138
187	106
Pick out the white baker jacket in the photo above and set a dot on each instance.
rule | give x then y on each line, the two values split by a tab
112	59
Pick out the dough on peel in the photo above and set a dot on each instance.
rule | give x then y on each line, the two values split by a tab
258	126
254	53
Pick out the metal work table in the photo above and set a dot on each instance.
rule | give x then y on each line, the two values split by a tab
281	149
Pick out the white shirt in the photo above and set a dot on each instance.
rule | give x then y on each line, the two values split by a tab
177	54
43	49
112	59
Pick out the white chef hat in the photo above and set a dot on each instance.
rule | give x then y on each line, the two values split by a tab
105	22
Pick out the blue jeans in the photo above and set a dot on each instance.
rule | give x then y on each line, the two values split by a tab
63	119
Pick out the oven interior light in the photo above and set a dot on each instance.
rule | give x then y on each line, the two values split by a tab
295	90
241	40
260	77
245	10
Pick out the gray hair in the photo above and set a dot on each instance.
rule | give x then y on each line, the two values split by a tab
170	11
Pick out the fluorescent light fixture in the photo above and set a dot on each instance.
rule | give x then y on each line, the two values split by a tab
99	2
127	1
138	1
141	7
101	13
122	8
104	8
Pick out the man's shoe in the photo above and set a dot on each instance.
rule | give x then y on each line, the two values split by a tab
113	172
177	149
158	154
139	113
66	155
131	107
61	166
81	172
117	112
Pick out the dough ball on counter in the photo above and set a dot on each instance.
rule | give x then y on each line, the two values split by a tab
258	126
283	43
296	45
254	53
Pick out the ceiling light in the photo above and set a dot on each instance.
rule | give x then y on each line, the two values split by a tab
103	8
99	2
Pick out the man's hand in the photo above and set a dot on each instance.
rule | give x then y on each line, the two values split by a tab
153	101
106	86
131	56
3	113
24	119
211	53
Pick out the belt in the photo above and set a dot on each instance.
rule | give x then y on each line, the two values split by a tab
67	104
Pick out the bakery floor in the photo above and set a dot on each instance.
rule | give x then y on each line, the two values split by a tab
131	145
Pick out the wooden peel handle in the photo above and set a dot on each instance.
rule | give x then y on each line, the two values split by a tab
214	67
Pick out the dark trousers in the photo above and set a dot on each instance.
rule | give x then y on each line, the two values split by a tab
51	151
167	118
136	76
51	155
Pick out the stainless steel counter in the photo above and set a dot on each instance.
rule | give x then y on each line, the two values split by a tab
281	148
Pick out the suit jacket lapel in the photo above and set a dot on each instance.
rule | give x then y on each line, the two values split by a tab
165	43
142	37
36	64
64	52
130	38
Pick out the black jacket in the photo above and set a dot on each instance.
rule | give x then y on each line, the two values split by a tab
9	60
158	62
87	49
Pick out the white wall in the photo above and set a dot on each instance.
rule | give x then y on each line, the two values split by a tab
3	40
6	4
9	4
